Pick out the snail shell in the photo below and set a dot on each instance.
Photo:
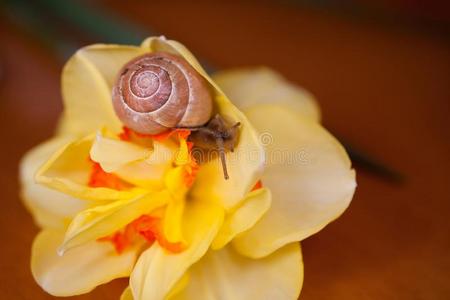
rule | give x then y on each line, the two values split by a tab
158	91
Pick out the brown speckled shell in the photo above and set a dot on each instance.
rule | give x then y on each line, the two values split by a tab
158	91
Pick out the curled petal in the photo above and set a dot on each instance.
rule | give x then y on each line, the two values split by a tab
68	171
249	87
103	220
127	294
227	275
249	211
244	165
136	164
87	81
309	174
112	154
78	271
49	208
157	271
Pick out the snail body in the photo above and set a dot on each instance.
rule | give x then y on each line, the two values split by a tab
158	91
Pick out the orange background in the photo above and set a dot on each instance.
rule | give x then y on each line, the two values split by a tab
384	87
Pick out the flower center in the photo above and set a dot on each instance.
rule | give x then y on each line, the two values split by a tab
184	154
146	227
99	178
149	228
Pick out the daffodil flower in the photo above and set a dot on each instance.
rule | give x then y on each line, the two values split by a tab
115	203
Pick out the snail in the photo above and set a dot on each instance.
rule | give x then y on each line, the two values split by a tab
216	135
158	91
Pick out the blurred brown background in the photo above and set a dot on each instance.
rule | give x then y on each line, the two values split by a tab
380	70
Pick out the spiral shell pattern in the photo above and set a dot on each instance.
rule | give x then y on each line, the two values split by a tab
158	91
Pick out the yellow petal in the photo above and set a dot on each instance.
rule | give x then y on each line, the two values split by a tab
37	156
68	171
179	286
226	275
157	271
126	294
150	172
162	44
254	86
173	218
103	220
49	208
112	154
182	157
87	84
254	206
309	175
245	164
142	166
78	271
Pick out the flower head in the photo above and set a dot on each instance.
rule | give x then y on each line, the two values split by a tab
113	202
